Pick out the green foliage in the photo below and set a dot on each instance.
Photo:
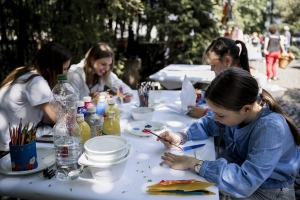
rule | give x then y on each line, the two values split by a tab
295	50
79	24
250	15
290	12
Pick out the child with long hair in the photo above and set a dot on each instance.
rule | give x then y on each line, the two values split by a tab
26	92
262	157
221	54
96	71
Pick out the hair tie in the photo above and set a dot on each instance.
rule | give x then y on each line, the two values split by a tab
259	91
259	95
240	48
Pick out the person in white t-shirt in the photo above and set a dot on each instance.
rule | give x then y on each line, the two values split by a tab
94	72
26	92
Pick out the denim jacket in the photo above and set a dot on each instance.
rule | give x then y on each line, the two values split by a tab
262	154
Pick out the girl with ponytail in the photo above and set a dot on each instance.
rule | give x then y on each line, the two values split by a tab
261	157
221	54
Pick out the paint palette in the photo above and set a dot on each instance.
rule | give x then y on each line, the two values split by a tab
137	127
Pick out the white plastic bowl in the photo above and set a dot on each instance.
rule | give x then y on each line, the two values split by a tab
105	159
108	147
113	171
142	113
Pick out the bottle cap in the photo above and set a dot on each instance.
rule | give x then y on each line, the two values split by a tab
79	117
111	101
103	94
102	98
91	109
62	77
79	103
87	99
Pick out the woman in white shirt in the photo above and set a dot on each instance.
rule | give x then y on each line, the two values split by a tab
94	72
25	93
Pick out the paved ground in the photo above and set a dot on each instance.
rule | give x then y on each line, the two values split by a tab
288	78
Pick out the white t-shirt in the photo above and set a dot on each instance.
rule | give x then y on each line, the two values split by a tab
22	100
77	78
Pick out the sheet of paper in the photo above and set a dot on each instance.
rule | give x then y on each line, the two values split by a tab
187	97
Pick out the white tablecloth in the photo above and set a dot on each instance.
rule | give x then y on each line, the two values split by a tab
171	77
142	168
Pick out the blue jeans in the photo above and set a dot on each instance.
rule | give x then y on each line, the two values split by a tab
287	193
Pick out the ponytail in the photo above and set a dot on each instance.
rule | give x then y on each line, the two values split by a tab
244	62
272	104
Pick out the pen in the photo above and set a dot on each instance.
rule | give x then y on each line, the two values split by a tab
148	131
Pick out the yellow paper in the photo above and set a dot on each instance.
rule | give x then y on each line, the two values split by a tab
179	185
206	192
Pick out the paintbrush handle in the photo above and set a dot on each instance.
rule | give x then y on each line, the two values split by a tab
165	139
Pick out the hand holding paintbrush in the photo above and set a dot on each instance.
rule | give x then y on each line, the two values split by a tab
162	138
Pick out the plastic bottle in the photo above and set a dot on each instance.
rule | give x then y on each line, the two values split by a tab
111	125
94	122
100	109
112	106
80	108
85	129
66	132
87	102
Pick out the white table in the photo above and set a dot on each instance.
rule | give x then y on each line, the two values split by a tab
171	77
142	168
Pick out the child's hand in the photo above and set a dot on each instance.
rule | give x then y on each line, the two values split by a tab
196	111
167	135
178	161
127	97
95	97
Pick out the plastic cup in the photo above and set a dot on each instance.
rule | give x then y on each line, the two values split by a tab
23	157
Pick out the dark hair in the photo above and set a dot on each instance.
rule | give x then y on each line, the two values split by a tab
272	29
48	62
234	88
223	46
97	51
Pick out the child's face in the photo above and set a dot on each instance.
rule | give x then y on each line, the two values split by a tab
66	66
102	65
226	117
215	63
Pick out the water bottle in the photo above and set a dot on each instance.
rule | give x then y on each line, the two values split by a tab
66	132
85	129
87	102
80	108
93	121
111	125
112	106
100	109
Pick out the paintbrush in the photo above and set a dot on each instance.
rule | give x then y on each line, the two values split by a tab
148	131
192	147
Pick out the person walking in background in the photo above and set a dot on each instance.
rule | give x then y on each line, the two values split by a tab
26	92
94	72
287	36
222	53
261	158
272	46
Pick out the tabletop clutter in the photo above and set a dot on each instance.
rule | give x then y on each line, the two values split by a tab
23	147
87	135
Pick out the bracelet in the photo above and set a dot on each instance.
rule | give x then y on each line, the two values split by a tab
205	112
198	166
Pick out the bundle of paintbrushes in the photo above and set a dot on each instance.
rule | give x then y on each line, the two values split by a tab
143	93
21	135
